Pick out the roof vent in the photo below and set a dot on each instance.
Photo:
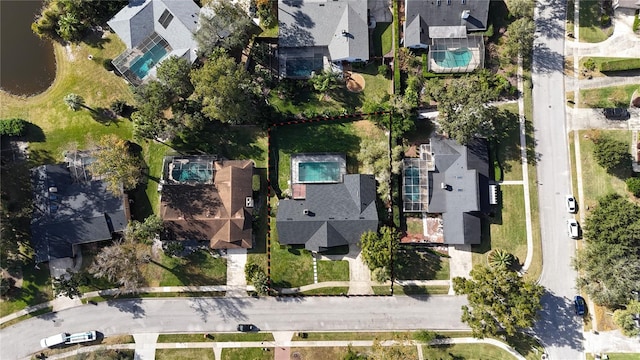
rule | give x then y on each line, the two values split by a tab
465	14
305	212
248	202
443	186
53	189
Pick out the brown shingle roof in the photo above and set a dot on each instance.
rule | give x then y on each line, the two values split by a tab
211	212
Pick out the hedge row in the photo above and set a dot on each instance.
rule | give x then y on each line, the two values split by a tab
12	127
619	65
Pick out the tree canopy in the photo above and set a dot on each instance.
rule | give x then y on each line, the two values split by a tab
120	263
612	154
377	248
226	90
174	73
226	25
116	163
609	264
499	300
13	127
520	35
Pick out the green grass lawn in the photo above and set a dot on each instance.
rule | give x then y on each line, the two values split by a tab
508	149
411	290
333	270
36	289
590	23
247	353
197	269
219	337
507	227
382	39
184	354
465	351
596	181
411	264
618	356
324	353
328	291
289	267
613	96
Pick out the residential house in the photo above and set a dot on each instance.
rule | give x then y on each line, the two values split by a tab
449	184
204	198
322	216
443	27
313	33
153	30
72	208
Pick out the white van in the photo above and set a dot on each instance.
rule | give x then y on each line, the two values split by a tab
54	340
81	337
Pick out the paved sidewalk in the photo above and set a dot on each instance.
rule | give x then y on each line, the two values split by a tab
145	346
460	263
610	341
623	42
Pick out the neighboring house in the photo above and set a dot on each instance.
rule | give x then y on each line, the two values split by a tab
71	208
313	33
204	198
443	27
154	30
449	184
626	4
322	216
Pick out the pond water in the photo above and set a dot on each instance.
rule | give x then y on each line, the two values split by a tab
27	63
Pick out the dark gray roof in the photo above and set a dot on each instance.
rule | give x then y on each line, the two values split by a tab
75	213
458	187
135	22
421	14
338	214
339	25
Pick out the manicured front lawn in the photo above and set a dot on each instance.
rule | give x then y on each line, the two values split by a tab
324	353
184	354
247	353
508	149
411	264
197	269
465	351
35	289
590	23
333	270
340	290
289	267
596	181
507	227
618	356
219	337
613	96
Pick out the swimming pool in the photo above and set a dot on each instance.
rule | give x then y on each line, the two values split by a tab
412	184
141	65
315	172
303	67
453	58
192	172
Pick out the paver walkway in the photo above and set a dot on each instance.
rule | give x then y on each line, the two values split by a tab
460	263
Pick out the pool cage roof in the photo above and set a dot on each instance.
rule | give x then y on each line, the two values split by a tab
443	54
202	165
415	180
125	61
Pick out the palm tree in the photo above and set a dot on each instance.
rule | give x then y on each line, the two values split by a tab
500	258
74	101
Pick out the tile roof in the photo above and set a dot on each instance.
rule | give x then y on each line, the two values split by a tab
215	212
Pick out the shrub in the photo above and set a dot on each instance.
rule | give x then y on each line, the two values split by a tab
590	64
108	65
633	185
425	336
619	65
636	22
383	70
612	154
500	258
13	127
118	107
255	182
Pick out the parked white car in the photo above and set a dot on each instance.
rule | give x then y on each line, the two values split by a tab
573	228
572	205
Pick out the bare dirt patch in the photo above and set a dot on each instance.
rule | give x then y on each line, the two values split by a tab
355	82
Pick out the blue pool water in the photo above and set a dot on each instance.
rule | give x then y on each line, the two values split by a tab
143	64
412	184
192	172
303	67
455	58
310	172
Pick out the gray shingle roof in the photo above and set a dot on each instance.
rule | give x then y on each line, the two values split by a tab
139	19
340	25
338	214
442	13
77	213
459	188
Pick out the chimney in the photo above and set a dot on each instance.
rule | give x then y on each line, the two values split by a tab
465	14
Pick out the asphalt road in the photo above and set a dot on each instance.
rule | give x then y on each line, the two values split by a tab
558	328
200	315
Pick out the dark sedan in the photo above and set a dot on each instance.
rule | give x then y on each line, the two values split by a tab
579	305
